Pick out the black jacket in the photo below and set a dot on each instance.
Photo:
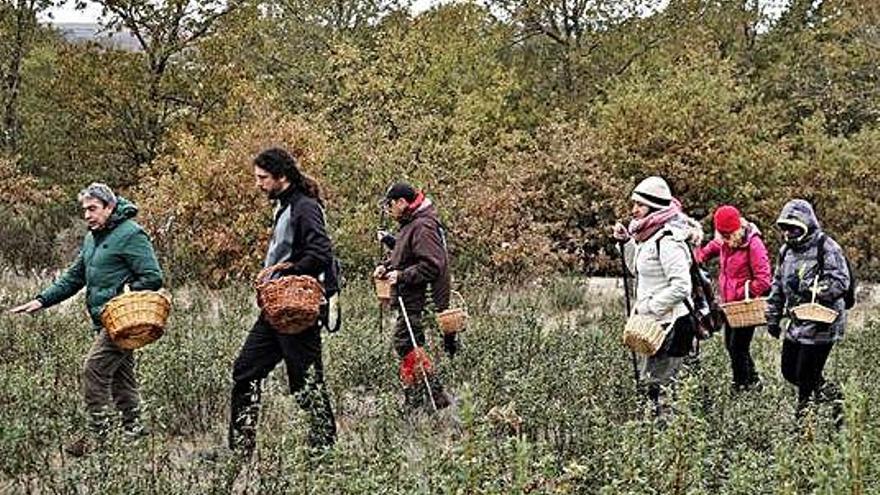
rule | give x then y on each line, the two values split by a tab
299	236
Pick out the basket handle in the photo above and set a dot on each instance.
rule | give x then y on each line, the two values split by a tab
747	289
459	296
267	272
815	289
162	292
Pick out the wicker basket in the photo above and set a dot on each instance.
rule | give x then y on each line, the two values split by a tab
643	334
747	313
453	320
135	319
383	289
291	303
814	311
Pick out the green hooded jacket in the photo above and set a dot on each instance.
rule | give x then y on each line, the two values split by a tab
120	253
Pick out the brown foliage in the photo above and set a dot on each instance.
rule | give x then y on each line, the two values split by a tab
208	219
26	233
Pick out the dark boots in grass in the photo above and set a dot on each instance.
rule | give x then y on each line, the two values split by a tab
99	427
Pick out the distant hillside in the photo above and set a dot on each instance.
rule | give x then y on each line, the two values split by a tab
82	32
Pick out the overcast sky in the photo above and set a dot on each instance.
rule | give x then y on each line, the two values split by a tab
67	13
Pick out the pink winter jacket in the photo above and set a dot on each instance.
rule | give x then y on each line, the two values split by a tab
748	262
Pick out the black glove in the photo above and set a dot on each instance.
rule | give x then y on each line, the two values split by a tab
774	330
450	344
387	239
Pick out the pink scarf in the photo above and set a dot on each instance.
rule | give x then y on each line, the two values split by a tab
641	230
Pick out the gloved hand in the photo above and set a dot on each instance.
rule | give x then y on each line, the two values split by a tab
386	238
774	330
450	344
620	232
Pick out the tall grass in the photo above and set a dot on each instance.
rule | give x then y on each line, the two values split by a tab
546	404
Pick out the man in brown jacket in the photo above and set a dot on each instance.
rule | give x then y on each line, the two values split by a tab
419	260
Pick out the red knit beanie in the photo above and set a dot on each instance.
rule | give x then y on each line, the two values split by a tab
727	219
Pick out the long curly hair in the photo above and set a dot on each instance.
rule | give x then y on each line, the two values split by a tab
279	162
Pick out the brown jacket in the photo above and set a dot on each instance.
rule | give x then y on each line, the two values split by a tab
420	256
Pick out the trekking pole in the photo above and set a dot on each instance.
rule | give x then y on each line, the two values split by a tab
381	255
412	338
632	354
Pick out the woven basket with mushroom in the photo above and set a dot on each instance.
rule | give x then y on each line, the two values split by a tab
747	313
643	334
290	304
453	320
135	319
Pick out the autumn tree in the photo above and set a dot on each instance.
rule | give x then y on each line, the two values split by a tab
19	32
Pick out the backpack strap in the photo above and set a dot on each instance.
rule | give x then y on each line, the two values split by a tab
820	255
663	234
687	301
689	250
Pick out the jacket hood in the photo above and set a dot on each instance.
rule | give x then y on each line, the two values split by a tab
752	230
800	213
685	228
124	210
426	208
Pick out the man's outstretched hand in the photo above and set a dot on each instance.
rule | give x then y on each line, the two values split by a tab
28	307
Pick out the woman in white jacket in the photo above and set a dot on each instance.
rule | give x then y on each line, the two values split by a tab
657	252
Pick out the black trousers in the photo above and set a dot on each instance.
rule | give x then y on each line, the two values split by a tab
738	342
802	365
403	342
263	349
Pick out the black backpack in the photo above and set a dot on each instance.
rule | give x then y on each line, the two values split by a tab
849	296
703	297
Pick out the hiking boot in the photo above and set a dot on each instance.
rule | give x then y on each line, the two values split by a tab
222	455
97	430
82	445
442	400
413	398
133	431
752	386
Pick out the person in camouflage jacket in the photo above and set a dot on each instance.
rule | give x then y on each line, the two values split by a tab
807	344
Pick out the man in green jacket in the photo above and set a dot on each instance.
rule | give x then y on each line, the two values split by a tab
116	251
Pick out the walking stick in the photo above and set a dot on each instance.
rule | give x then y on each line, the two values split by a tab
381	255
412	338
632	354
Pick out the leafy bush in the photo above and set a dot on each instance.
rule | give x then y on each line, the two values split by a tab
208	219
544	406
31	214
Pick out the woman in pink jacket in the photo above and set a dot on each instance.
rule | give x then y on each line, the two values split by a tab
744	261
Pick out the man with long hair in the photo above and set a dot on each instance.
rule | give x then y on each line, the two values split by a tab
298	237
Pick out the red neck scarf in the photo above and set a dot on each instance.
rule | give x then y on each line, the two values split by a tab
420	198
